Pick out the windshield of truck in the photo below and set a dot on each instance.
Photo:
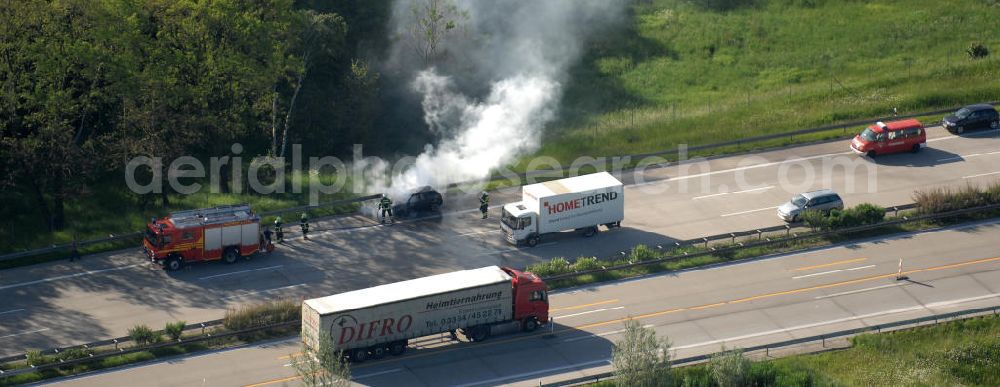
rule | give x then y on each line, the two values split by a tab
799	201
151	238
869	134
510	220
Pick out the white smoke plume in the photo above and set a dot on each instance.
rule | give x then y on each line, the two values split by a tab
497	87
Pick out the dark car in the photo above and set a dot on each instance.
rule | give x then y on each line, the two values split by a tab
424	199
982	116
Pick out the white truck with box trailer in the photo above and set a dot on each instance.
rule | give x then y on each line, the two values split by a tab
579	203
370	323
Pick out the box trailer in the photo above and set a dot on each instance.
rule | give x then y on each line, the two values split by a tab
370	323
579	203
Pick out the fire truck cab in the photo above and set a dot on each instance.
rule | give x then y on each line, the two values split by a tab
224	232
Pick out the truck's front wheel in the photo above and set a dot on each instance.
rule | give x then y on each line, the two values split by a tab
173	263
532	241
530	324
590	231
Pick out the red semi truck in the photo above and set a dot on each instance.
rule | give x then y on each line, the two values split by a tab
370	323
208	234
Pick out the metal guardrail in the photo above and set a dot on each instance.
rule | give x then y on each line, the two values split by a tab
115	341
66	247
768	241
911	323
134	349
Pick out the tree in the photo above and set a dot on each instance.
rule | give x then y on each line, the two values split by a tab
639	358
433	21
322	366
730	368
58	73
322	34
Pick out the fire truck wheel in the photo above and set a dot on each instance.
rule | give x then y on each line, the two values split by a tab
377	351
397	348
530	324
173	264
231	255
359	355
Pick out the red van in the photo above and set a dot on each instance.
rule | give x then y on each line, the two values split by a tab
890	137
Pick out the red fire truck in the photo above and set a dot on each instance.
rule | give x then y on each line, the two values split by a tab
224	232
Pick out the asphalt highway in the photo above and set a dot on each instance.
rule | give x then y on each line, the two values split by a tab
62	303
736	305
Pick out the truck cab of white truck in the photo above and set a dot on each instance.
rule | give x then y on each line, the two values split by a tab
579	203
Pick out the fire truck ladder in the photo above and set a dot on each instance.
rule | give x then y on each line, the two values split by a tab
214	215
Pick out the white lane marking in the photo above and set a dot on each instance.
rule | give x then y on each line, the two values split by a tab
761	165
816	274
62	277
596	335
263	291
12	311
968	156
588	312
709	196
834	271
839	320
24	333
747	212
240	272
378	373
515	249
732	193
495	381
859	291
981	174
479	232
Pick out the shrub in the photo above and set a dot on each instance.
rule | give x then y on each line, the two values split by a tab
175	329
75	353
817	220
271	312
860	215
978	50
642	253
142	335
557	265
35	357
939	200
586	263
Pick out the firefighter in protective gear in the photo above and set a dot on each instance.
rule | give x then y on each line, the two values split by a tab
484	204
304	222
385	205
278	232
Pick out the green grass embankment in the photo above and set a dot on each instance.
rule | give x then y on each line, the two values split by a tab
683	74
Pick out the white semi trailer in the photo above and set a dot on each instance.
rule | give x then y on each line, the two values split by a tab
579	203
370	323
